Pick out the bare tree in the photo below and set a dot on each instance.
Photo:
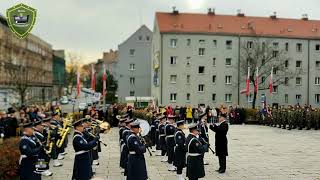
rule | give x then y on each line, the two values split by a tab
71	71
265	55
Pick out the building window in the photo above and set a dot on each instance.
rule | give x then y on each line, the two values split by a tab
173	60
275	53
132	67
299	47
263	79
275	89
201	88
228	97
249	44
201	70
148	38
131	93
132	80
298	81
228	79
132	51
287	47
173	97
188	79
188	97
298	64
188	42
173	79
275	45
286	64
140	38
214	77
317	98
214	43
201	51
286	98
201	41
213	61
286	81
229	44
275	70
173	43
228	62
298	97
263	46
317	64
214	97
188	60
317	47
317	81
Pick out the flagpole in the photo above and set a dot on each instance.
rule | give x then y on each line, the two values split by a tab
104	88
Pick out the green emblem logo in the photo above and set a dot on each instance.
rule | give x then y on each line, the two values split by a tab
21	19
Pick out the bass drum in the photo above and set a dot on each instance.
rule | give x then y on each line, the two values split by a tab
145	131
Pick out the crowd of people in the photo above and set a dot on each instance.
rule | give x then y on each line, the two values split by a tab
291	117
168	139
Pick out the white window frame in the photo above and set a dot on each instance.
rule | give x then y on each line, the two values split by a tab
188	79
131	92
317	81
201	51
228	79
132	52
275	89
215	43
299	47
214	61
317	46
132	80
227	61
229	44
298	84
173	97
188	58
173	43
173	60
286	98
215	97
201	88
228	98
300	64
173	79
317	64
204	69
188	97
202	41
317	98
298	97
188	42
132	67
214	79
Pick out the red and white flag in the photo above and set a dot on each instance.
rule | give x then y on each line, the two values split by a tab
78	83
104	78
271	81
256	82
248	83
93	78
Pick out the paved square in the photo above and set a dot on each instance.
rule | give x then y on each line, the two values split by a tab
255	152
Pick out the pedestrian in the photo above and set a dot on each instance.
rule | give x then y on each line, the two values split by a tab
179	151
195	151
169	131
189	114
137	169
221	141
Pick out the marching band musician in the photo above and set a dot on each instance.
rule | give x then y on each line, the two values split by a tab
57	121
82	166
180	150
156	135
162	138
153	130
195	151
203	133
136	162
29	154
170	129
42	166
54	136
221	141
124	148
87	122
122	126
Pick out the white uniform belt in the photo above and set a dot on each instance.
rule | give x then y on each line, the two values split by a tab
22	157
194	154
170	136
162	135
132	152
81	152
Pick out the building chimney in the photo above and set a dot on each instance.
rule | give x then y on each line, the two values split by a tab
274	16
175	11
211	11
240	13
305	17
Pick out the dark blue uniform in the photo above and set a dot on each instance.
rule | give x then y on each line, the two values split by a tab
195	165
169	131
124	151
82	166
162	139
43	158
204	137
153	131
179	151
136	162
28	159
156	136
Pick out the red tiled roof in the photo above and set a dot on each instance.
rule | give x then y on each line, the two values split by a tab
236	25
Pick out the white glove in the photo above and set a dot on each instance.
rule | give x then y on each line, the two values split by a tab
2	135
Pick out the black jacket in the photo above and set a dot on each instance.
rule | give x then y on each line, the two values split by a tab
221	141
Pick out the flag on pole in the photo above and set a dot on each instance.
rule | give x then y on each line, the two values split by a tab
104	78
78	83
256	82
93	78
248	82
271	81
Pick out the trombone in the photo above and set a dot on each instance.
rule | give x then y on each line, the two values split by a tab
94	136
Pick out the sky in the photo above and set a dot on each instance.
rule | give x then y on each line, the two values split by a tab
91	27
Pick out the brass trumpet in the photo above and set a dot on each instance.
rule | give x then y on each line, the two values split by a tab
104	126
94	136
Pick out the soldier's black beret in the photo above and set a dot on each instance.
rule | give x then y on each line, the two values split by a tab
77	123
179	123
36	123
27	125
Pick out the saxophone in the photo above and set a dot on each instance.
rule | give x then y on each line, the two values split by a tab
63	132
49	142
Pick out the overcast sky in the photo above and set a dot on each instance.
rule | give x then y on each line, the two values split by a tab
89	27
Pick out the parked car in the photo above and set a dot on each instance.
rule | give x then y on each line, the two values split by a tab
64	100
82	106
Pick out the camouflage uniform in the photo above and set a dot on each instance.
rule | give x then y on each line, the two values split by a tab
301	118
316	117
290	118
284	118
